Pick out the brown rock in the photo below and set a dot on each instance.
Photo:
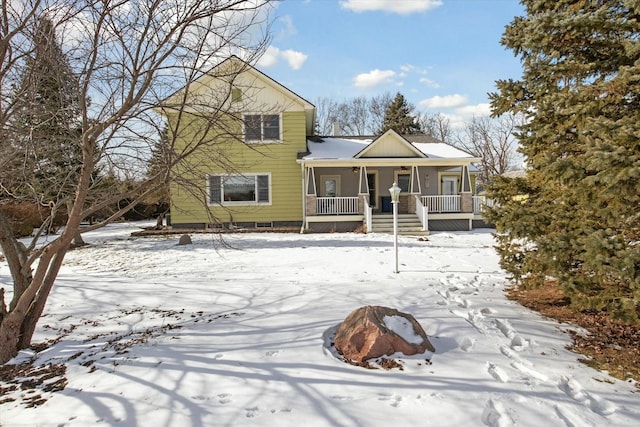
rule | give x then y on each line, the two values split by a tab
374	331
185	239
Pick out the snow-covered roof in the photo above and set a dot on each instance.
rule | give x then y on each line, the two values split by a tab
440	150
347	148
335	148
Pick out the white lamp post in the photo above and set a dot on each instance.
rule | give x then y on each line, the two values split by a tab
394	191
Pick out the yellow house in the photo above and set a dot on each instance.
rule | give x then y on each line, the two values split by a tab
258	164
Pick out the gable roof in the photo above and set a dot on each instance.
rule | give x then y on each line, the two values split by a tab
389	144
273	83
232	71
393	146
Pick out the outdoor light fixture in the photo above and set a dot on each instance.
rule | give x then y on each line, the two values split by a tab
354	170
394	191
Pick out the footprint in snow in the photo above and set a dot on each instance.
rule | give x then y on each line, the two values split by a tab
517	342
467	344
574	390
495	415
224	398
394	399
497	373
570	418
474	318
252	412
342	397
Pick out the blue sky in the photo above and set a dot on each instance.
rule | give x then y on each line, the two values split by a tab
444	56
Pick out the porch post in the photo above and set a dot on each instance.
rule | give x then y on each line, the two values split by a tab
310	196
363	190
466	202
310	202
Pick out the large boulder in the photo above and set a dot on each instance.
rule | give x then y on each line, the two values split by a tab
374	331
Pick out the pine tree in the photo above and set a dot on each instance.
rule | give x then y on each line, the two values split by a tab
398	116
580	90
46	129
158	168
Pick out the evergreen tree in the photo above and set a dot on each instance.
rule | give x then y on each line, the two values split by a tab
45	129
398	116
158	169
577	215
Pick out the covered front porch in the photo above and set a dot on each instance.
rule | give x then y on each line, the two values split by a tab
350	198
346	181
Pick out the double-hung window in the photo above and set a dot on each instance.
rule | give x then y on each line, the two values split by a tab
261	127
239	189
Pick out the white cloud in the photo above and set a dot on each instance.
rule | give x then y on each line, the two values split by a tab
288	28
402	7
429	82
463	115
294	58
448	101
373	78
478	110
269	58
272	55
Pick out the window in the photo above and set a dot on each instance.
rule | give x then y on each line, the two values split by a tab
450	185
261	127
236	94
403	181
240	189
330	186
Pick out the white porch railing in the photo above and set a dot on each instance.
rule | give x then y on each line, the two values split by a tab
422	212
479	202
337	205
368	215
440	204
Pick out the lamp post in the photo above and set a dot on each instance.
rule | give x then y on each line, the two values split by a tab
394	191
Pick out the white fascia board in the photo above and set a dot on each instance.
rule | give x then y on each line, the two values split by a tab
388	162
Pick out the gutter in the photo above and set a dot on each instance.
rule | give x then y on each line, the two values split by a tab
304	198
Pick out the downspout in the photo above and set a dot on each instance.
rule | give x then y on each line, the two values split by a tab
304	199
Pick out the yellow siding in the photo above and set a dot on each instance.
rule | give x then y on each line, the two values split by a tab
279	159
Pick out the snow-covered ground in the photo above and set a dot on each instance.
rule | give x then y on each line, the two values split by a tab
237	333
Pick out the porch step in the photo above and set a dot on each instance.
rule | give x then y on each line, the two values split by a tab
407	224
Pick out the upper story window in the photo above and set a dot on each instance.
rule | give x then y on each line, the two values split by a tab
239	189
261	127
236	94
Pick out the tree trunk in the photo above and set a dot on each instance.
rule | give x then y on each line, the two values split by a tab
78	240
9	336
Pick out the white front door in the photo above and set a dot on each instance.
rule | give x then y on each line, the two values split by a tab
450	186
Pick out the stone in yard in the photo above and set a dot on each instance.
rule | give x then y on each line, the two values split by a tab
374	331
185	239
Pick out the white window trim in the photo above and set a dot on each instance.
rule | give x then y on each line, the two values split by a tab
238	203
262	140
338	184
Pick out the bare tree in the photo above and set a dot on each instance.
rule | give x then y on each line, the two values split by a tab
128	56
437	125
378	106
354	116
495	141
326	115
